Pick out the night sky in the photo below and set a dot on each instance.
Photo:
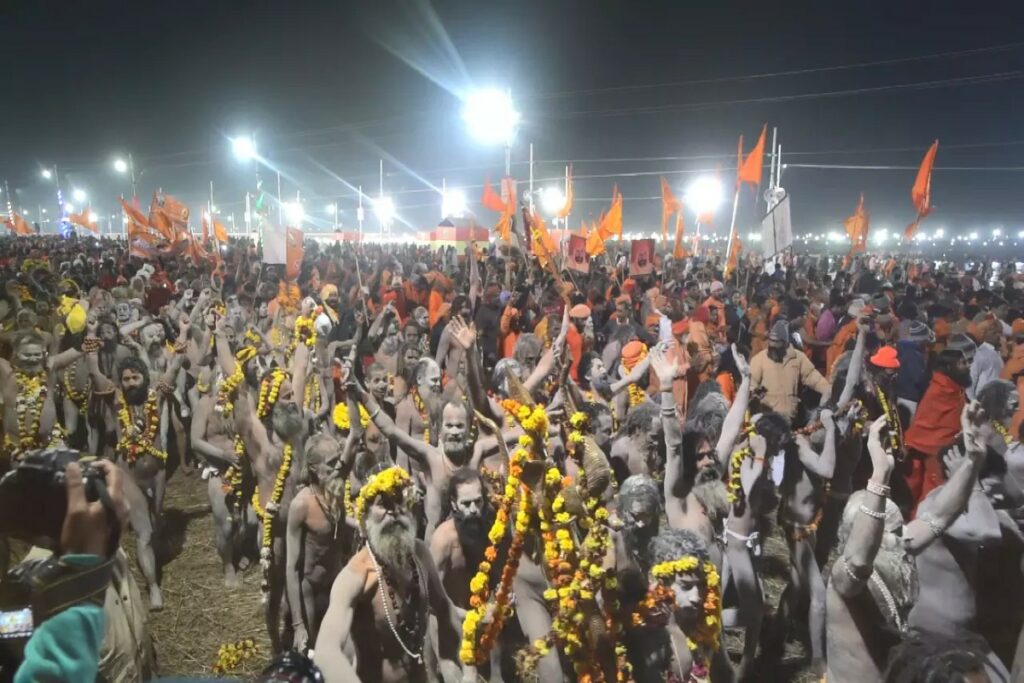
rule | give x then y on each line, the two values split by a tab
328	88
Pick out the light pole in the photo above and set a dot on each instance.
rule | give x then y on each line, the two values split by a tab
704	196
332	208
492	119
122	167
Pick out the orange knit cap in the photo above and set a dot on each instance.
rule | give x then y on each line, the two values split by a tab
1018	327
633	353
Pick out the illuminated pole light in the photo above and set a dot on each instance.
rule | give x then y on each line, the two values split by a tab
453	203
70	208
78	194
384	208
243	147
491	117
120	165
973	236
93	217
47	174
294	212
552	199
704	195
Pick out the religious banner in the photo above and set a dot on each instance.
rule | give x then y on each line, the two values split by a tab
641	257
578	260
776	229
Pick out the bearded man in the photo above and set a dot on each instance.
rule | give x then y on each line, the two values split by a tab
271	429
319	542
874	582
641	448
784	373
375	628
681	638
30	416
458	543
141	445
436	463
101	416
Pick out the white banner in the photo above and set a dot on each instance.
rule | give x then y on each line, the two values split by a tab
776	229
275	246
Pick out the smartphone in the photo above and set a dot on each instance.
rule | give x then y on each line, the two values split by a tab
16	623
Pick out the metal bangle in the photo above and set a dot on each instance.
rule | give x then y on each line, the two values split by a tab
878	489
872	513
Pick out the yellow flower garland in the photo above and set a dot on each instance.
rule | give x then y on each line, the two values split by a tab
29	404
636	396
735	486
340	418
708	633
385	482
421	408
231	655
267	516
229	387
270	387
79	398
1002	431
135	442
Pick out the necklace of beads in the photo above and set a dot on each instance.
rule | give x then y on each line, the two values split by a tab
413	632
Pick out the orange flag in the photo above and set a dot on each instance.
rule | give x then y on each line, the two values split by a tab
611	222
492	200
543	244
18	225
567	207
669	205
220	233
679	251
857	228
504	227
734	255
168	215
294	254
921	193
138	227
750	169
206	230
84	219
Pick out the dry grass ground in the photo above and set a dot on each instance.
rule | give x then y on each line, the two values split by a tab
200	615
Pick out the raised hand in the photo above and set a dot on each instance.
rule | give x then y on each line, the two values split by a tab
741	363
666	369
970	423
464	335
881	460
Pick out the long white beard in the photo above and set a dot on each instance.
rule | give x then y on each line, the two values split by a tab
392	541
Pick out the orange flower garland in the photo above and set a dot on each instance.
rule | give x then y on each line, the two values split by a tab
421	408
134	441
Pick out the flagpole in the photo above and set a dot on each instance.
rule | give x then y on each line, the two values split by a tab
732	224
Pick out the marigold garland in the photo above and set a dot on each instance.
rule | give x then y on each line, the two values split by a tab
341	420
735	486
79	398
231	655
386	482
636	396
421	408
267	516
707	637
134	441
228	390
270	387
31	398
1002	431
311	396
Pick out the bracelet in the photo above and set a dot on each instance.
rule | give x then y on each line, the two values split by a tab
665	391
375	413
872	513
849	572
758	458
91	345
878	489
180	347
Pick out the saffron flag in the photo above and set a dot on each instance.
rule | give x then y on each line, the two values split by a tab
567	206
679	251
611	222
504	227
492	200
220	234
544	246
669	206
137	227
750	169
921	192
734	255
17	224
168	216
294	253
85	219
857	228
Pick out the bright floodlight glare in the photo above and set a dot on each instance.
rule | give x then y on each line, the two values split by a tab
997	232
331	208
973	236
120	165
834	236
93	217
69	207
704	195
453	203
491	117
78	194
294	212
384	207
47	173
939	233
552	199
243	148
880	236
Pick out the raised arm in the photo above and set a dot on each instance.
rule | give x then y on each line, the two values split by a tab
951	498
547	362
853	375
675	488
637	374
851	572
465	336
824	464
419	451
101	383
737	411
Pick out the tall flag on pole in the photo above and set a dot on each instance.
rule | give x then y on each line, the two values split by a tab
921	192
493	201
750	169
294	251
679	251
610	225
734	255
85	219
669	206
857	228
567	206
168	216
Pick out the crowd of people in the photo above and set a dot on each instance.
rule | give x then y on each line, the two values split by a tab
463	466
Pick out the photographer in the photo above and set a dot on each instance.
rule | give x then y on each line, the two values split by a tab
66	646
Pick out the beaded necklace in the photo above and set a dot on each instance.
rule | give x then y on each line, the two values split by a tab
413	632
